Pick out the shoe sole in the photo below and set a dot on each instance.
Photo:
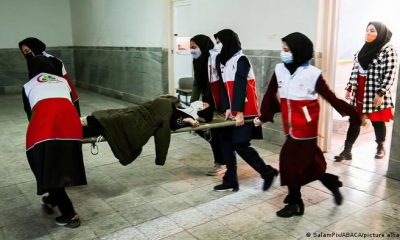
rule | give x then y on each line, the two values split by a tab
342	159
61	224
294	215
69	225
227	190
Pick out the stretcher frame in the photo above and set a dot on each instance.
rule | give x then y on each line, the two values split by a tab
217	122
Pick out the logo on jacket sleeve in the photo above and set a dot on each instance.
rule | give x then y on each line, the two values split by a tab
47	78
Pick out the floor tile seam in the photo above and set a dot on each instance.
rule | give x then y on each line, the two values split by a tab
290	233
196	207
367	171
360	190
227	226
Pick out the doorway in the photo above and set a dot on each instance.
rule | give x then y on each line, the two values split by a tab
180	49
352	19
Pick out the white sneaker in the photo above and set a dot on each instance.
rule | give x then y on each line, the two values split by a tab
217	170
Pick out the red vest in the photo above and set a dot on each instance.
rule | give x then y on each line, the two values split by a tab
228	72
299	100
53	115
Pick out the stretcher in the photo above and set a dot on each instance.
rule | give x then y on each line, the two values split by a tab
217	122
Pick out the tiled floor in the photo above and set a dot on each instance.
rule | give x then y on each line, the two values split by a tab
176	201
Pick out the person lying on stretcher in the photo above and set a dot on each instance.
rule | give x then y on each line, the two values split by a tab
128	129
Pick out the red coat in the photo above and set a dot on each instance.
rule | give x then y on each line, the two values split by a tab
53	116
228	72
299	104
301	160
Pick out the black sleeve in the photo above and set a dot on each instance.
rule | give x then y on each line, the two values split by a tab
77	107
27	106
270	104
162	139
240	85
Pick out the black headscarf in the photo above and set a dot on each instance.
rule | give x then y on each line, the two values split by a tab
200	65
230	44
42	64
370	50
302	49
37	46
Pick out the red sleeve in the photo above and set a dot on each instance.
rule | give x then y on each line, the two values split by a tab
270	103
74	93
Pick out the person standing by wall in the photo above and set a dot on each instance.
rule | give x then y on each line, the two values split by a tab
31	46
373	74
293	90
234	92
53	138
203	52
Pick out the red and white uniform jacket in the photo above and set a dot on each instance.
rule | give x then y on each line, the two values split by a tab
44	86
228	72
299	103
54	117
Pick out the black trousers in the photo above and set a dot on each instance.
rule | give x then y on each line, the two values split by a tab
354	131
330	181
60	198
246	152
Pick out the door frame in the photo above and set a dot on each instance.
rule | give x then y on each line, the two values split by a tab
327	37
171	42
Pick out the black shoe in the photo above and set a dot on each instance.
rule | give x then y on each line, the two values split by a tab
345	155
227	187
268	180
287	199
47	205
337	195
291	210
71	222
380	153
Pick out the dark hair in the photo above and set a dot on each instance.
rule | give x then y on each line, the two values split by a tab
42	64
37	46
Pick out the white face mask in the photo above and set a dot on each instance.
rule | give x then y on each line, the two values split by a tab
196	53
286	57
218	47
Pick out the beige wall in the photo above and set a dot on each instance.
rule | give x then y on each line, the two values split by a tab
128	23
48	20
260	23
